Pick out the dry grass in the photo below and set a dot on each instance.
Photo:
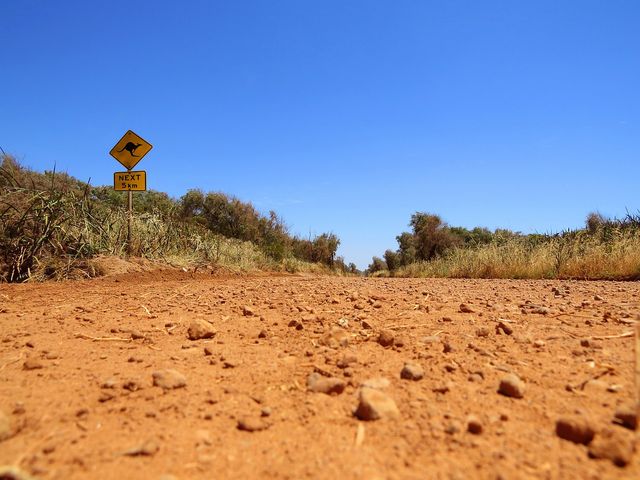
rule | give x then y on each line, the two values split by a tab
613	253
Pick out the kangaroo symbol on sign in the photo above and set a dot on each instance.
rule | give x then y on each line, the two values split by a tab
131	148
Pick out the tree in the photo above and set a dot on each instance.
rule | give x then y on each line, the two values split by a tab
432	236
392	259
377	265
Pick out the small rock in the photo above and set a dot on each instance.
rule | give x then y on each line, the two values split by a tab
377	382
168	379
511	386
448	347
482	332
132	384
106	396
451	428
367	324
250	424
262	334
474	425
539	343
443	388
347	360
247	311
374	405
412	371
386	338
575	429
627	417
207	351
147	449
136	335
14	473
335	338
464	308
32	364
328	385
614	388
616	446
504	328
199	329
296	324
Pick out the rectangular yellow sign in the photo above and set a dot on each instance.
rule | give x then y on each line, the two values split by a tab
134	181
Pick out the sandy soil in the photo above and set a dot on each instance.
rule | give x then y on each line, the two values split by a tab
78	400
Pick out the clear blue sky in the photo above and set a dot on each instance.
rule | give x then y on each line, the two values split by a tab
343	116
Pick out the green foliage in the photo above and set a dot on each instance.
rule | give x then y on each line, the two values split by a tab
377	265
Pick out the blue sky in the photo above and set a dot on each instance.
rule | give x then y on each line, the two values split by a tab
343	116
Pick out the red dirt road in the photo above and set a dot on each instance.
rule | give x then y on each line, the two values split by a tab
78	402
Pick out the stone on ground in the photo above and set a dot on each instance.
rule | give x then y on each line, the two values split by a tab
375	405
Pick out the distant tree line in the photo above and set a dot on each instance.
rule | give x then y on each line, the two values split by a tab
430	237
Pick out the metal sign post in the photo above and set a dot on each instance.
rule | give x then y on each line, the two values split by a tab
129	151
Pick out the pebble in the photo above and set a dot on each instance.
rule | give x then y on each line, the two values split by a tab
136	335
504	327
474	425
207	351
575	429
464	308
250	424
482	332
247	311
377	382
199	329
32	364
296	324
262	334
329	385
614	445
374	405
367	324
8	472
146	449
627	417
169	379
511	386
412	371
386	338
347	360
5	426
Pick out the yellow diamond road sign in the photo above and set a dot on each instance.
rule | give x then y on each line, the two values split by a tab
130	149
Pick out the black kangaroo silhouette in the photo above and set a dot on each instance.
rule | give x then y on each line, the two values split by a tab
131	148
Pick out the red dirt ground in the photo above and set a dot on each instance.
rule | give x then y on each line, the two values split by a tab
77	358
